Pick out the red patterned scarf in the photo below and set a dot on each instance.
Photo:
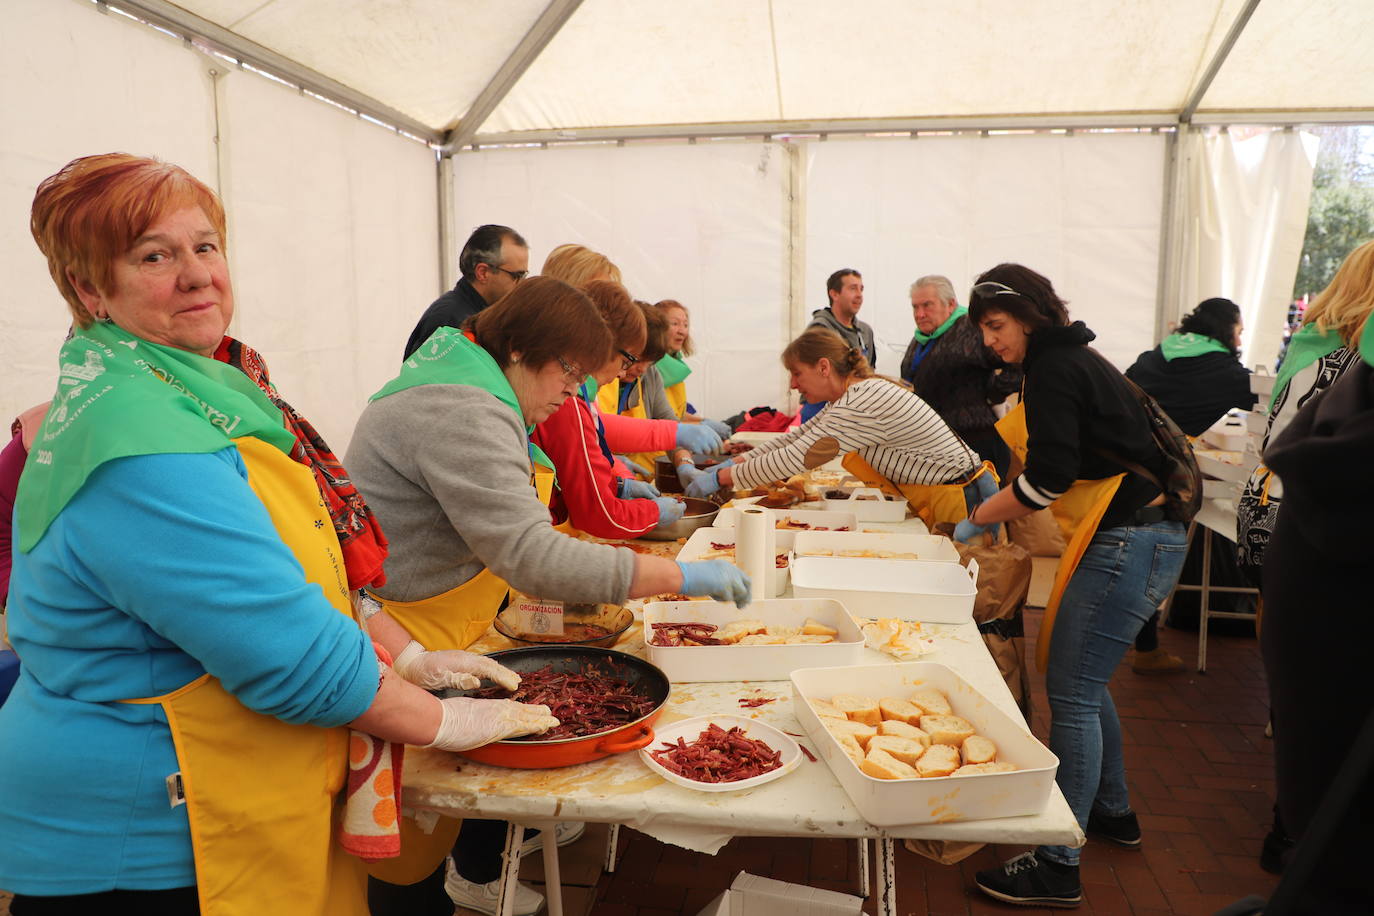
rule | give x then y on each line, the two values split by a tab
364	545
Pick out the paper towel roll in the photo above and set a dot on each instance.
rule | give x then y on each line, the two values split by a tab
754	541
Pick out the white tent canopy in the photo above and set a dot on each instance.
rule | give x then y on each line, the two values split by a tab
341	234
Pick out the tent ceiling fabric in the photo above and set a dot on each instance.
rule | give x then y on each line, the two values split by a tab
627	63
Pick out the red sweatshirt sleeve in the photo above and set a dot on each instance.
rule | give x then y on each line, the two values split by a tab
633	434
586	483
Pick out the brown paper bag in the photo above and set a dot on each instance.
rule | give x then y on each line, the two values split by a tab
1038	532
946	852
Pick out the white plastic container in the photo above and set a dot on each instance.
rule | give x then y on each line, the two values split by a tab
814	518
906	589
687	664
940	799
699	547
869	504
870	544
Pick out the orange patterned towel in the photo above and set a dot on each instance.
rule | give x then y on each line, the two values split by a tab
370	828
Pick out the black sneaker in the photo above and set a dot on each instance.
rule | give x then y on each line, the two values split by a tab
1276	851
1032	882
1123	830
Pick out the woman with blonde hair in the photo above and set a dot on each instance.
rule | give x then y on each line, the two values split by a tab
893	434
577	265
1318	354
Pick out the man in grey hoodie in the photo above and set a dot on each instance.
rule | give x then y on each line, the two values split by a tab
845	287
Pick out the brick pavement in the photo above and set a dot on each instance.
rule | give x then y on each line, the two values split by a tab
1201	777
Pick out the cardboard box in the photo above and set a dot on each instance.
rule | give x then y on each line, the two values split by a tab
750	895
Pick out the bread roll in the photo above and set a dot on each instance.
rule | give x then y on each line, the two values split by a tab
900	710
860	709
851	748
816	628
977	749
904	749
857	730
882	765
810	639
762	639
980	769
903	730
938	760
932	702
951	730
826	709
735	630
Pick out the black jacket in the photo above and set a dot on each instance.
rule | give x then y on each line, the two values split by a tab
1195	391
959	378
448	311
1077	403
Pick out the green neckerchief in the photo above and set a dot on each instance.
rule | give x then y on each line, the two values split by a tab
1367	343
954	316
119	396
1178	345
589	389
673	370
1305	347
449	357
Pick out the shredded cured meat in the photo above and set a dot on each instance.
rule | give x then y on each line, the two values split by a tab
587	702
684	634
809	756
755	702
718	755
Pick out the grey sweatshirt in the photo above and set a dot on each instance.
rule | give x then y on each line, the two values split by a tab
446	470
656	406
860	336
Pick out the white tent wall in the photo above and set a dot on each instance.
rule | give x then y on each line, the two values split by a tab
706	224
72	83
1083	209
332	220
1238	229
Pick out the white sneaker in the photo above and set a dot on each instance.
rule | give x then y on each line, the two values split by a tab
565	832
486	898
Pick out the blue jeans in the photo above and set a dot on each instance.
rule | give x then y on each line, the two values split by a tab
1124	575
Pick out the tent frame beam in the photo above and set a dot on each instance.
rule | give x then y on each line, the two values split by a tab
544	30
193	28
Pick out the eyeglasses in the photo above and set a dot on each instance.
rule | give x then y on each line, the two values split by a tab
993	288
516	275
570	372
627	360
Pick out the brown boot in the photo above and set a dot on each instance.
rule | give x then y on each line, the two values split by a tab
1156	661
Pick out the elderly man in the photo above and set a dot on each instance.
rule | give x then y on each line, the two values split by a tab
845	288
493	260
948	366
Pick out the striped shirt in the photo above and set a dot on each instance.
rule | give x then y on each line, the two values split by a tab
892	429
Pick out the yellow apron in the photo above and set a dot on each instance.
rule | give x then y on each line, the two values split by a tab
677	397
1079	511
261	793
932	503
608	401
454	619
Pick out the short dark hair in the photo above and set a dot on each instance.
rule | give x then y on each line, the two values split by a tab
656	323
1215	318
484	247
1035	305
621	312
543	319
835	282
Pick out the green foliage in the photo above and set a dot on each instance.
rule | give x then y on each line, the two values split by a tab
1341	214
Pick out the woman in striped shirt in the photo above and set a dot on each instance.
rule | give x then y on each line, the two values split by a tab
899	434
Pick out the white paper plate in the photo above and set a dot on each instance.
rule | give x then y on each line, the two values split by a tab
689	729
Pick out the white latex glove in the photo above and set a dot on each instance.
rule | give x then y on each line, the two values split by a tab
450	668
469	723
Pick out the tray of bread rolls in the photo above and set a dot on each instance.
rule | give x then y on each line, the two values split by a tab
915	743
716	641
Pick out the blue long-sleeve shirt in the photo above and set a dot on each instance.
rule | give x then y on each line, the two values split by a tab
162	568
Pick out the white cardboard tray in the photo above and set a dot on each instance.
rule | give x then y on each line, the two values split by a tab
925	546
893	802
689	729
686	664
728	516
699	545
877	506
906	589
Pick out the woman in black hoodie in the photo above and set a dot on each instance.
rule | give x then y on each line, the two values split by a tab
1079	421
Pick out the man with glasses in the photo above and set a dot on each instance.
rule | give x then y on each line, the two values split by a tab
950	369
845	288
493	260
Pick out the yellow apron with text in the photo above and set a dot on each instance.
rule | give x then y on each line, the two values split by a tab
932	503
608	401
261	793
1079	511
453	620
677	397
